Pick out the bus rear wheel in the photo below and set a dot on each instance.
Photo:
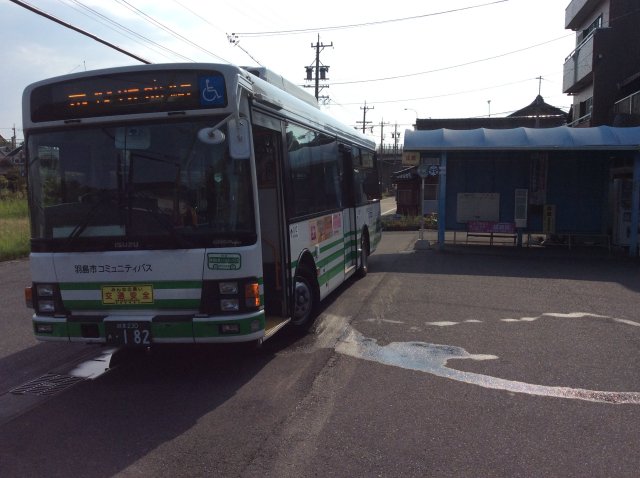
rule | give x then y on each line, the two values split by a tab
304	300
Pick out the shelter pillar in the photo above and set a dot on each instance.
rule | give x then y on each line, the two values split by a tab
442	201
635	206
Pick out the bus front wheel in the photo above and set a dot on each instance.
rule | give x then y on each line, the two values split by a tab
364	256
304	300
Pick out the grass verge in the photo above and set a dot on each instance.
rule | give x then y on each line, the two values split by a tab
14	229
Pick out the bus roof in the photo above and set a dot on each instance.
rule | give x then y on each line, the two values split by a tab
269	89
282	83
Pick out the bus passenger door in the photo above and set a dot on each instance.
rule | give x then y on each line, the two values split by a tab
349	212
268	153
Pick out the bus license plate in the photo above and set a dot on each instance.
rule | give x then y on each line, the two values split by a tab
131	334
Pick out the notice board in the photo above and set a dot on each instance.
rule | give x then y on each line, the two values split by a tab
478	207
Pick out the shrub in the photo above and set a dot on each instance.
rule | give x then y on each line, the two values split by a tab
397	222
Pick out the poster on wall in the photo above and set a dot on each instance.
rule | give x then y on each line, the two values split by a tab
478	207
520	210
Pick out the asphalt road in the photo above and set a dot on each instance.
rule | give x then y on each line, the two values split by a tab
471	361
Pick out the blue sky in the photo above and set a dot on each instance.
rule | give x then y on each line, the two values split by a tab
437	58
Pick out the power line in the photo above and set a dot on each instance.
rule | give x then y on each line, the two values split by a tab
358	25
172	32
74	28
408	75
235	41
115	26
197	15
443	95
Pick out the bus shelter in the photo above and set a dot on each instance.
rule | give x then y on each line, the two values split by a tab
558	181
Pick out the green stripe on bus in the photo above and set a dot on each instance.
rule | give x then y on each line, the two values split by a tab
159	330
203	330
331	245
171	330
331	273
329	259
59	329
158	304
155	284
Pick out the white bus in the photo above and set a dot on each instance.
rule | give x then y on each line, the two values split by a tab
189	203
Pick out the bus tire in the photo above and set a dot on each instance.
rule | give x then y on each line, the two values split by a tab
305	299
363	252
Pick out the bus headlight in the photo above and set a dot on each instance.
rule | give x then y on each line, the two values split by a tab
44	328
229	305
45	290
228	288
46	298
230	296
46	306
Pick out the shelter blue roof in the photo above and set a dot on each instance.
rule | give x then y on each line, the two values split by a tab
549	139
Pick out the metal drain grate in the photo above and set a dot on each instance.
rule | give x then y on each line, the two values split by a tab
47	385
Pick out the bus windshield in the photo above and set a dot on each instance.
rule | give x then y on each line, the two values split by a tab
142	185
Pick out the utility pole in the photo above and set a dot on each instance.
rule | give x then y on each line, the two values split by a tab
395	135
382	123
317	72
364	115
13	138
539	78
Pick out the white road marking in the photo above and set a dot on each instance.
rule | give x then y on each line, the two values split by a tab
433	358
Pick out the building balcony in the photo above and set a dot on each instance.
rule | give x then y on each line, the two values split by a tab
629	105
577	12
578	67
627	111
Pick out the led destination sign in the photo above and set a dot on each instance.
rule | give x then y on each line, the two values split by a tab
128	93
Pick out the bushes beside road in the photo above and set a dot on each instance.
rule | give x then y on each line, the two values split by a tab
396	222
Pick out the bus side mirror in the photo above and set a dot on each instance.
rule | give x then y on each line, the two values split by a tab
211	136
239	145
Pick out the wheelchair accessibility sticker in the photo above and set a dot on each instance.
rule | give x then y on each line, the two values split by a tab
212	91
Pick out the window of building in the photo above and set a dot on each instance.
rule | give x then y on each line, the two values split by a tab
584	111
597	23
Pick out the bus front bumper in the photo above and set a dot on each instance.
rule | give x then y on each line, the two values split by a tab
146	330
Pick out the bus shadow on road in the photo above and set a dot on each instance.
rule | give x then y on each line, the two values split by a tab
149	398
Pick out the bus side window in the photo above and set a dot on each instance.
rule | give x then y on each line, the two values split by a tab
357	178
265	159
365	177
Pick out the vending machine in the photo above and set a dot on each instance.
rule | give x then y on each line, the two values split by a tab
622	193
